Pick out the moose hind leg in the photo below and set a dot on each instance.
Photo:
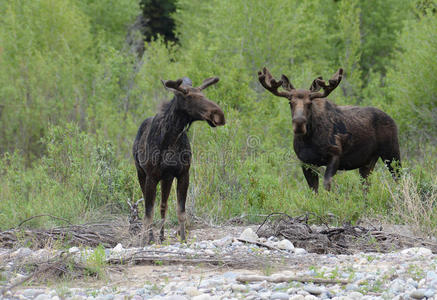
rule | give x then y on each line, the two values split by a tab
312	178
149	203
366	170
165	192
182	188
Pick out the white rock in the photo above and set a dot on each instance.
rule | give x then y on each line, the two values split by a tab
192	291
74	250
209	252
285	245
310	297
297	297
118	248
300	251
249	235
202	297
239	288
417	251
223	242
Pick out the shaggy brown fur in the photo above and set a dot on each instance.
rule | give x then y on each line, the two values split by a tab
338	137
162	150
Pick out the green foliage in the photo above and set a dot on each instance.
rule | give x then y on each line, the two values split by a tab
72	98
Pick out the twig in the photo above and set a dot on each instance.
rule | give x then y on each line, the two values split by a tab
43	215
285	278
260	244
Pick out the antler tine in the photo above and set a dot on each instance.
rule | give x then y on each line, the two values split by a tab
328	88
174	85
129	203
269	83
139	200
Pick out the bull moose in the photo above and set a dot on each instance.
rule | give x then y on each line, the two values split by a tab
338	137
162	150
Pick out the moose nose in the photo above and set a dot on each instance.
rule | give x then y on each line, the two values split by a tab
219	118
299	121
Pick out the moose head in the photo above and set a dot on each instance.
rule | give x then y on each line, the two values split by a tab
300	100
194	103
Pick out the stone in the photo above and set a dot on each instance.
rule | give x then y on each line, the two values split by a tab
73	250
297	297
32	293
249	235
431	275
429	293
311	297
118	248
42	297
209	252
239	288
176	297
279	296
202	297
300	251
285	245
21	252
418	294
351	287
192	291
355	296
313	289
223	242
417	251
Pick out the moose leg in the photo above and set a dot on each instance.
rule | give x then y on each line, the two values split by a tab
165	192
149	203
183	182
366	170
312	178
331	169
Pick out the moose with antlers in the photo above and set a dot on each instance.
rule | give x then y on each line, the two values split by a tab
338	137
162	150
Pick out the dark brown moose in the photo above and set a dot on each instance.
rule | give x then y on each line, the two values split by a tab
338	137
162	150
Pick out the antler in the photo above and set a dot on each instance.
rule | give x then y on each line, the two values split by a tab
209	81
139	200
174	85
327	87
269	83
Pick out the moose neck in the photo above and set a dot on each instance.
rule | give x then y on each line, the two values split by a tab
174	122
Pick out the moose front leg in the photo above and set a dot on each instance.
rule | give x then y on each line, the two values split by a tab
165	192
149	203
331	169
182	188
312	178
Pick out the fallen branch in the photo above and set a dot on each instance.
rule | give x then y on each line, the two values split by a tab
286	278
260	244
43	215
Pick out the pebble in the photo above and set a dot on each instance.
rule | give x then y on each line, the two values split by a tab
279	296
249	235
285	245
406	274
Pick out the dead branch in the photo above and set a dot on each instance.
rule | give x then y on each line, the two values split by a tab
43	215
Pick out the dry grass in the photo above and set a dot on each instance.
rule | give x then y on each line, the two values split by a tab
415	205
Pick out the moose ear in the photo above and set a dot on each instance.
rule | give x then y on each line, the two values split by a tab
174	85
209	81
286	85
315	86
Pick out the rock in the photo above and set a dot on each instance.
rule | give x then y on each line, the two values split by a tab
417	251
223	242
118	248
351	287
192	291
32	293
418	294
429	293
285	245
313	289
43	297
355	295
297	297
21	252
279	296
74	250
177	297
249	235
209	252
310	297
300	251
230	276
239	288
431	275
202	297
